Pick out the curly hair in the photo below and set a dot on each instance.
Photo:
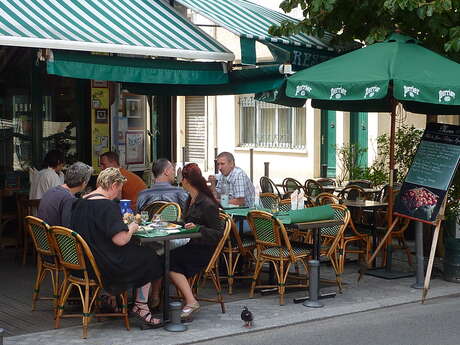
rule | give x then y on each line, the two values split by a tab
109	176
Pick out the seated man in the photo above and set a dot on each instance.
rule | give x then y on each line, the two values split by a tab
232	181
134	183
162	190
50	176
56	203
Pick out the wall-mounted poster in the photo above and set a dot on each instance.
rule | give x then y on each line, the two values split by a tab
102	115
430	174
135	147
134	109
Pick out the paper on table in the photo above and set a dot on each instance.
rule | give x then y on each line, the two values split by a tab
294	196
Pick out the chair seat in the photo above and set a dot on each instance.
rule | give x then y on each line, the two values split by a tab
284	253
247	242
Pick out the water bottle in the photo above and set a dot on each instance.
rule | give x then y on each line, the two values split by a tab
257	198
125	207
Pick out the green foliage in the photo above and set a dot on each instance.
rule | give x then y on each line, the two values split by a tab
453	198
349	156
406	142
435	23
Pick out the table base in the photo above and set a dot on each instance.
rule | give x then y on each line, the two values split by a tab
385	274
307	299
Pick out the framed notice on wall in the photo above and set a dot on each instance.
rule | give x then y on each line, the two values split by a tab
135	144
430	174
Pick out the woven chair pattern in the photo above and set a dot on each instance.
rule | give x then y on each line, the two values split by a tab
40	234
334	230
268	186
68	247
170	212
285	205
284	252
312	188
268	199
273	246
265	231
290	184
153	207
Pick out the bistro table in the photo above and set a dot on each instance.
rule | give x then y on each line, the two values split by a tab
367	191
314	294
146	238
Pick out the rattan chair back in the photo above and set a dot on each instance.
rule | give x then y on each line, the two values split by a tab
170	212
268	231
268	186
153	207
352	192
326	199
290	184
26	207
285	205
313	188
268	199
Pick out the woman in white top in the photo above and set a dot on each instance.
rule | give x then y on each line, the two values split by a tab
49	177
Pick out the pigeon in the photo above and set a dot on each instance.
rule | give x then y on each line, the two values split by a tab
246	316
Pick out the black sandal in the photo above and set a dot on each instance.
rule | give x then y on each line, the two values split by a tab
148	317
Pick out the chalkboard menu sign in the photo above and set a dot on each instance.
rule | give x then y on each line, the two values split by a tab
431	173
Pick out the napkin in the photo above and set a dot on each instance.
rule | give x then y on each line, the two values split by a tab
301	200
311	214
294	200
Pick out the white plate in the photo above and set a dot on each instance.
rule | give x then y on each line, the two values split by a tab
172	231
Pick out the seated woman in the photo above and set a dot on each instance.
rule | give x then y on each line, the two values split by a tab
123	264
202	209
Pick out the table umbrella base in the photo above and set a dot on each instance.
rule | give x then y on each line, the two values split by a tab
386	274
313	303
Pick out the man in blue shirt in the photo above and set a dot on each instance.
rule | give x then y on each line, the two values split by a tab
163	190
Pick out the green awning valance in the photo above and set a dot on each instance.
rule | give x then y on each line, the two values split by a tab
135	70
243	81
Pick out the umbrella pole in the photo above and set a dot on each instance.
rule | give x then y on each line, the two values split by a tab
392	162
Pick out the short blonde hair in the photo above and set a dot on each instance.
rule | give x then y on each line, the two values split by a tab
109	176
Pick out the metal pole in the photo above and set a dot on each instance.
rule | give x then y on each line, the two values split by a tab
175	324
420	260
266	169
313	302
251	164
184	152
216	169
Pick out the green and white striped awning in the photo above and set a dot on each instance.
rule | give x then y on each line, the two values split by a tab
248	20
138	27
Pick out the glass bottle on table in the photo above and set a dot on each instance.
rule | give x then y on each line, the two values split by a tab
224	192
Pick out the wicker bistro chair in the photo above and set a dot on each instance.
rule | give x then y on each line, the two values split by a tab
81	272
268	199
352	192
360	183
290	185
170	212
332	241
285	205
326	199
47	261
234	249
153	207
268	186
273	245
212	269
313	188
26	207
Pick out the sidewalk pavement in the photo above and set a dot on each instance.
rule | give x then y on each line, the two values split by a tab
369	294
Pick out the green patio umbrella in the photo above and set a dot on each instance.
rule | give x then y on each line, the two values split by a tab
378	77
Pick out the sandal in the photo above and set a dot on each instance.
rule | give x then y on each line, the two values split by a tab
144	315
188	310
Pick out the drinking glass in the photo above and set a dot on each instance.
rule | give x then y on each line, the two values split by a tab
144	217
275	207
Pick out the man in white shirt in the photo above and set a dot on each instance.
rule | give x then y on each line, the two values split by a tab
232	181
49	177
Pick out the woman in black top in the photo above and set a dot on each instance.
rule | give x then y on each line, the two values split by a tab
122	264
202	209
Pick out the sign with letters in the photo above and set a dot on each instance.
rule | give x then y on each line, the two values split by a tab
428	180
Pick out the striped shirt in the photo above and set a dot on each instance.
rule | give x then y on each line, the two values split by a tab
237	185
